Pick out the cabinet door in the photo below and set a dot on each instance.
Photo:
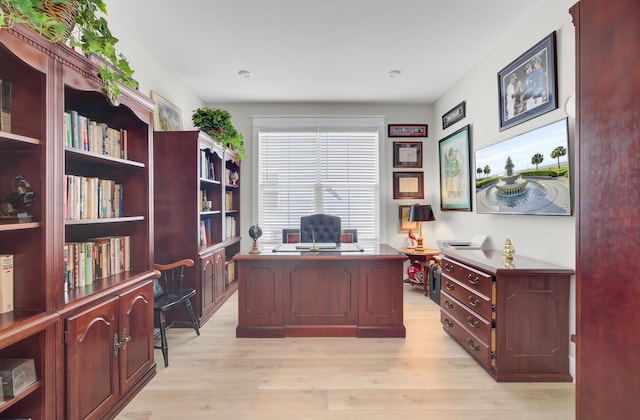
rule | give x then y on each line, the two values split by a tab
218	281
91	360
136	322
207	281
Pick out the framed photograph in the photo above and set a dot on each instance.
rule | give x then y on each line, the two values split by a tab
166	116
528	86
455	170
526	174
454	115
407	130
404	225
407	154
408	185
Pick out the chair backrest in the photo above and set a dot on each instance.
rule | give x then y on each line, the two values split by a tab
171	276
322	227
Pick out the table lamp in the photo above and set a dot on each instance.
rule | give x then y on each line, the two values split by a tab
421	213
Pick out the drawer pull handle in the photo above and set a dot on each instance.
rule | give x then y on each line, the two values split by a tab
448	304
474	281
473	346
448	286
472	323
448	268
473	303
448	323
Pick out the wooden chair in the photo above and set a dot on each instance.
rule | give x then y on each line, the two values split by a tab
169	293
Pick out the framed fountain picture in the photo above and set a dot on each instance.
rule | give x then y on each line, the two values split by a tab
455	170
526	174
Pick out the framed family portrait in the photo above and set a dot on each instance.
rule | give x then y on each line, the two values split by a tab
408	185
404	225
166	116
407	130
407	154
528	86
455	170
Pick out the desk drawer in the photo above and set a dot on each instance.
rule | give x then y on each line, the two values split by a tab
471	278
478	349
478	303
478	325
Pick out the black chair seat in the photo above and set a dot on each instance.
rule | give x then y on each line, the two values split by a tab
168	300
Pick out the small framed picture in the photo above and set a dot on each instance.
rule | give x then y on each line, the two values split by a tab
408	185
404	225
407	130
166	116
407	154
454	115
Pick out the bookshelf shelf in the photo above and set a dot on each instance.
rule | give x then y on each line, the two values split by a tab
10	139
85	157
105	220
6	227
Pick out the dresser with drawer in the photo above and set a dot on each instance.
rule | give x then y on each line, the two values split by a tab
514	321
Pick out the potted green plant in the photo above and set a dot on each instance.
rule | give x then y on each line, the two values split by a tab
82	24
216	122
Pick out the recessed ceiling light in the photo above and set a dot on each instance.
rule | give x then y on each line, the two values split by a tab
244	74
394	73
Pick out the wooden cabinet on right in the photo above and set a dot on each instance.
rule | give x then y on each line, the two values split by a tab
514	321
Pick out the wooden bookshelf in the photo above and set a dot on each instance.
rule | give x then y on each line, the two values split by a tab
71	334
189	167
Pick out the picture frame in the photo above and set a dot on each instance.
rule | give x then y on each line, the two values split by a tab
166	116
407	154
455	170
404	225
407	130
528	86
454	115
408	185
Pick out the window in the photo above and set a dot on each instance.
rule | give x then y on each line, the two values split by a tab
318	168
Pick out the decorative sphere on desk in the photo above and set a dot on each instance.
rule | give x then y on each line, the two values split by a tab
255	233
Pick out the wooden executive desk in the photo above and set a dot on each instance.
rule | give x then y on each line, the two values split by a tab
325	294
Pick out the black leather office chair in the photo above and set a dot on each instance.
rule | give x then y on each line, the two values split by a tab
325	228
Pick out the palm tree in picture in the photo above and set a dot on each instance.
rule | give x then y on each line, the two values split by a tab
487	170
537	159
479	172
558	152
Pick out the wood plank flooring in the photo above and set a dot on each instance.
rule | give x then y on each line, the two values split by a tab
423	376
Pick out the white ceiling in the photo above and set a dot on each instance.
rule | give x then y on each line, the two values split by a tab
320	50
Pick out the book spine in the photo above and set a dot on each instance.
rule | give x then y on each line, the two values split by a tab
75	129
5	106
6	283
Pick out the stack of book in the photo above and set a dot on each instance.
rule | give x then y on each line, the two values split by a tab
5	106
91	198
96	258
84	134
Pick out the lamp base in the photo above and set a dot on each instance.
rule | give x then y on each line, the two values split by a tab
420	247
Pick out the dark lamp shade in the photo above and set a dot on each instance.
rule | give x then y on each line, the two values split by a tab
421	213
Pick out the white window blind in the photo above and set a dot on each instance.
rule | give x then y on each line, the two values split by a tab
333	170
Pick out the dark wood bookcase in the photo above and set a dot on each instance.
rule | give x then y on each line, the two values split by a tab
189	166
101	333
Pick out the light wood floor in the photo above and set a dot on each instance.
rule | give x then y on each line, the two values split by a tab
423	376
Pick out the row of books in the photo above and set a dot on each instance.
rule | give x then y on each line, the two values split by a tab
82	133
5	106
91	198
205	232
207	168
96	258
231	227
230	273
